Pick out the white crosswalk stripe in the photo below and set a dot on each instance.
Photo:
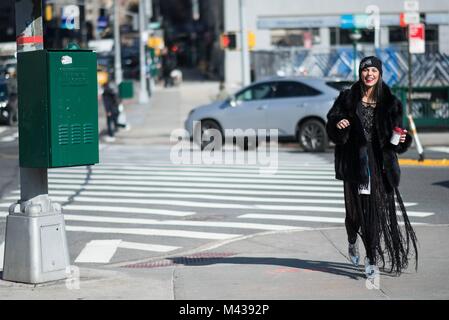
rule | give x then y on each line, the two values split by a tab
250	186
154	232
10	138
202	196
128	203
308	180
148	190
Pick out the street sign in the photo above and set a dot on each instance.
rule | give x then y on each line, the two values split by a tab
409	18
417	38
154	25
411	5
70	18
347	21
351	21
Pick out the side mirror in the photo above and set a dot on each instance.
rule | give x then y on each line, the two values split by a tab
232	102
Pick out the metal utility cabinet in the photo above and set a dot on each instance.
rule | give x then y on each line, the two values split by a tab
58	108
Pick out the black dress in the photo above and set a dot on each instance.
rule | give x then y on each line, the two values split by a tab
373	216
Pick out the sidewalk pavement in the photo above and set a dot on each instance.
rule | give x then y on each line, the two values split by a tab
168	108
292	265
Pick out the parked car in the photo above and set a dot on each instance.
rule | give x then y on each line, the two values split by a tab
296	106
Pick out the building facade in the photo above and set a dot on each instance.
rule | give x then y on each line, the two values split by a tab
318	25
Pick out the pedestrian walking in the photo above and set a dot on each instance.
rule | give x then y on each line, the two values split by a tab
12	107
363	123
168	65
111	105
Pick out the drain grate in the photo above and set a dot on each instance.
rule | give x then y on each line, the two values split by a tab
189	260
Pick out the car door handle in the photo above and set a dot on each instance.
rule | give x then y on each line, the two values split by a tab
302	105
264	107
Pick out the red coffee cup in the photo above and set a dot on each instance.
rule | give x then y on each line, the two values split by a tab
396	137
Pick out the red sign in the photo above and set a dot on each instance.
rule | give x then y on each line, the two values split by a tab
402	22
408	18
417	38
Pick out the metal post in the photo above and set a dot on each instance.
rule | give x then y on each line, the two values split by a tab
409	61
246	73
35	243
374	22
143	95
419	147
117	45
355	59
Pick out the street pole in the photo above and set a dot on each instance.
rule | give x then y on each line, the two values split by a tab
355	36
355	59
409	62
117	45
143	95
246	72
35	243
374	22
419	147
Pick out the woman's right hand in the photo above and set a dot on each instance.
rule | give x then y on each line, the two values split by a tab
344	123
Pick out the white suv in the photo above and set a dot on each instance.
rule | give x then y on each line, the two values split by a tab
295	106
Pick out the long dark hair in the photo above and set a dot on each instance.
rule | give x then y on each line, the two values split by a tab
377	91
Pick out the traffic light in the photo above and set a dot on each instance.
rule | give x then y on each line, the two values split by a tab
251	40
48	12
228	41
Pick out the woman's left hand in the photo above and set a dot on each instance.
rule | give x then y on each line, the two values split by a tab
403	136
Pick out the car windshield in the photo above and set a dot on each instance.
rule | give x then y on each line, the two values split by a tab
340	85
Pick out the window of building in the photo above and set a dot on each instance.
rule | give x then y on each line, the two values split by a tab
295	37
343	36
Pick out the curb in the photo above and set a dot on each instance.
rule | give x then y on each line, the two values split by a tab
425	163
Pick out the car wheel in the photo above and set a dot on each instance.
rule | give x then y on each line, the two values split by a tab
207	136
312	136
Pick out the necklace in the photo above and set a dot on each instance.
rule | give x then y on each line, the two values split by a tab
369	104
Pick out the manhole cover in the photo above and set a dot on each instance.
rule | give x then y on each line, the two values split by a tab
189	260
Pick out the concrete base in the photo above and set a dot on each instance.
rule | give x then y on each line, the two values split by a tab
35	247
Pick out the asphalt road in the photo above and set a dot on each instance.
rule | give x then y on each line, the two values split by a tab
142	205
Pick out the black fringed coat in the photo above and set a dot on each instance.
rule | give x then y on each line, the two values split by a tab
350	140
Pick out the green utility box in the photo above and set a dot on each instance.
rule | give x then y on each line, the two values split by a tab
58	108
126	90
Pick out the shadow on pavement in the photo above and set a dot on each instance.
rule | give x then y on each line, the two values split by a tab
340	269
442	184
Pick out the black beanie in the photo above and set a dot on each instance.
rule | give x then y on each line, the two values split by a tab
371	61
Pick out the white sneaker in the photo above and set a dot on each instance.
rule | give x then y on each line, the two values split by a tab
371	270
109	139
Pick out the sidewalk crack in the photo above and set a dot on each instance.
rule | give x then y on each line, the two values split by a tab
333	244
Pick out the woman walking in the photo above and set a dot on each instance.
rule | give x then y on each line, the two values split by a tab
362	124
